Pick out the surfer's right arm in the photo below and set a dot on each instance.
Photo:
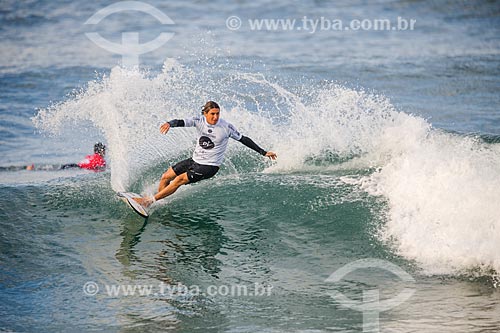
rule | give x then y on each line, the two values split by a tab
172	123
189	122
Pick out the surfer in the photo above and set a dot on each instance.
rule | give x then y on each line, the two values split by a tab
213	136
95	162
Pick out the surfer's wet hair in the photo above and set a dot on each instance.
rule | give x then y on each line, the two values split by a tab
209	106
99	148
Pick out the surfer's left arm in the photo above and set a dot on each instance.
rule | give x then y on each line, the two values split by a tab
252	145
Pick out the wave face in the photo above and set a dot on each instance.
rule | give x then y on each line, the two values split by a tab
441	189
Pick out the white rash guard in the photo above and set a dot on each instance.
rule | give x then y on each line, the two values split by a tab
212	139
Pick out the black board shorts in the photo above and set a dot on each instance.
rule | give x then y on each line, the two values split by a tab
195	171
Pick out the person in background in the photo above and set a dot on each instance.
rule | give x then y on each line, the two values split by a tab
95	162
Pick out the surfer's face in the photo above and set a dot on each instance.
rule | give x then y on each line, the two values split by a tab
212	116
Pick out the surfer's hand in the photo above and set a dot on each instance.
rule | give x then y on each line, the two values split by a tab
164	128
271	155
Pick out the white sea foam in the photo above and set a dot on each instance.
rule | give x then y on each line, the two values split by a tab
443	202
442	189
128	107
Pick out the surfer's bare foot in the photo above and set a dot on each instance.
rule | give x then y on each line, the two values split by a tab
145	202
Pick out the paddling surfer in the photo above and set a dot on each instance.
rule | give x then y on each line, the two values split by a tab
95	162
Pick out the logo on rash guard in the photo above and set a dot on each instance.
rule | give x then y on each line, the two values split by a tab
234	130
206	143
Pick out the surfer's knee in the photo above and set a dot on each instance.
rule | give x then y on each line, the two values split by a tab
164	179
181	179
168	175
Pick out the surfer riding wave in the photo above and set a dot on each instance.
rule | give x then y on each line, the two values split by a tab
213	136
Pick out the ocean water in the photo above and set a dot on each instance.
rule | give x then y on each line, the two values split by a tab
388	148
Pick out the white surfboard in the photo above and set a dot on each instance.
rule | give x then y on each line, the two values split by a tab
138	208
